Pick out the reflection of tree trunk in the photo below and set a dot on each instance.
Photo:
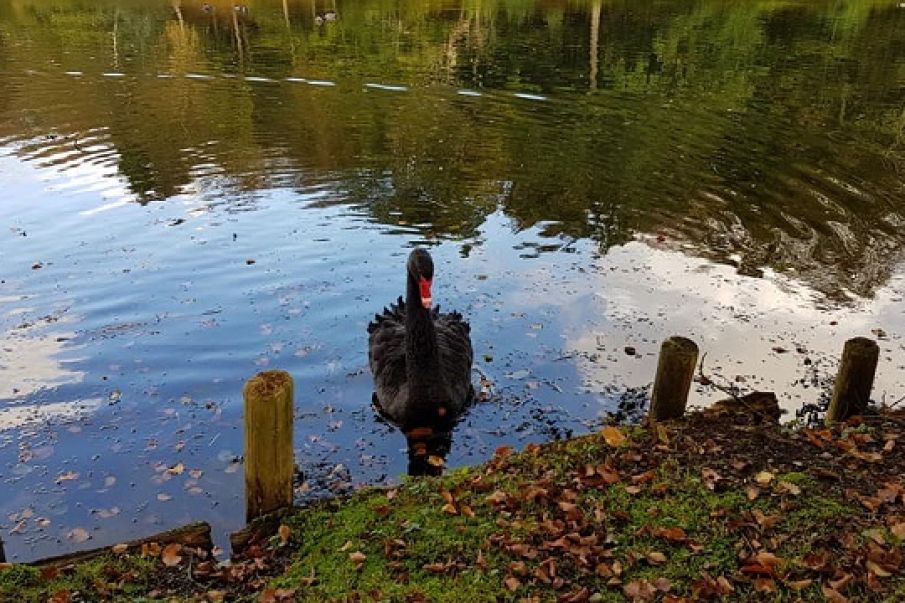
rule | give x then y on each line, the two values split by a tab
595	35
456	35
178	10
289	31
115	43
239	48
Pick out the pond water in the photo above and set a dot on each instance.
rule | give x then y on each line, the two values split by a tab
193	193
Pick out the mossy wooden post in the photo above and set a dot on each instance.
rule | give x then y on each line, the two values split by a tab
268	443
855	378
675	369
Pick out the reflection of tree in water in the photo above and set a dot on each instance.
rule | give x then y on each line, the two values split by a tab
769	132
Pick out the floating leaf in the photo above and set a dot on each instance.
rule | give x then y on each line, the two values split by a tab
78	535
108	513
67	476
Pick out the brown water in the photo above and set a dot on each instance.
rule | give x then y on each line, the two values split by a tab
591	176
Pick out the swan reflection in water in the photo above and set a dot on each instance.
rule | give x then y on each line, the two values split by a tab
421	362
427	446
427	450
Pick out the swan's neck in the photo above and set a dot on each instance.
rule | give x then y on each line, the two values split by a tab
421	354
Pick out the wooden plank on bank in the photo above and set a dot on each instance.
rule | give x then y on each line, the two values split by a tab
195	535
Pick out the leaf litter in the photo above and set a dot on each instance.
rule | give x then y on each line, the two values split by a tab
681	512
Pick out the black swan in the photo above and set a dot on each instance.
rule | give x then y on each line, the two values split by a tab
421	359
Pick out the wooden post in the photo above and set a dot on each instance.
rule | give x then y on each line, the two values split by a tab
675	369
268	443
2	552
854	380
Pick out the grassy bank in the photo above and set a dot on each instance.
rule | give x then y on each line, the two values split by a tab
722	505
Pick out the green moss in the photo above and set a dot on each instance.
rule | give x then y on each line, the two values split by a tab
414	526
802	480
17	578
24	583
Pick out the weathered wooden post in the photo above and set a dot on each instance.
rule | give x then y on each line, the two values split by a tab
855	378
675	369
2	552
269	458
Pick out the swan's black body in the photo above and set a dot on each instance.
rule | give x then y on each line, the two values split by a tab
421	359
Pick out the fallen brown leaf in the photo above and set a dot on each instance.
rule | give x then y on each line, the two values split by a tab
170	555
671	534
639	590
497	498
832	595
799	584
898	530
284	533
764	478
655	558
788	488
613	436
357	557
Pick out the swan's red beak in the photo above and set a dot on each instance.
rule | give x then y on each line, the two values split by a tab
425	286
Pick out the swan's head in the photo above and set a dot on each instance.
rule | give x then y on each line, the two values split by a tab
421	269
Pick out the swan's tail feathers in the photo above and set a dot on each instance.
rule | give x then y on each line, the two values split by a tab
394	313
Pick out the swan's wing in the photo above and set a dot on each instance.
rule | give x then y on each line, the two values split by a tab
456	354
386	352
